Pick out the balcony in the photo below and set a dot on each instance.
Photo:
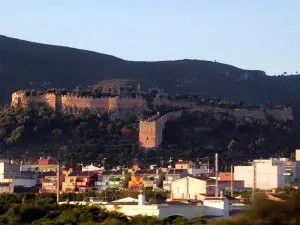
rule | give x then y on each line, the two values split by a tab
101	183
47	190
115	183
167	182
48	184
68	184
149	183
82	183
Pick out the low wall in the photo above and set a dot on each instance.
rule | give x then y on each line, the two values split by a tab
159	211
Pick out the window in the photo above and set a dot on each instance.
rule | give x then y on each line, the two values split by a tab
177	190
151	178
147	138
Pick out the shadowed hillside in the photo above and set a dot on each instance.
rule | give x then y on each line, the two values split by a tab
26	64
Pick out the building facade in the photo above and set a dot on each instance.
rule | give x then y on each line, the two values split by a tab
79	181
112	180
146	179
197	187
49	182
184	164
172	175
269	174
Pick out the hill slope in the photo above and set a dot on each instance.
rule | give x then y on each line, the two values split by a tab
26	64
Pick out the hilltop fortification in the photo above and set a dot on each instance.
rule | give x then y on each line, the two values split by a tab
279	114
73	104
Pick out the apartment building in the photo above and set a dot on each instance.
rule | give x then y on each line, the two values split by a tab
112	179
172	175
270	173
49	182
79	181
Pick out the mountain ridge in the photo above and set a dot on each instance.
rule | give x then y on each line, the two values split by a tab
25	64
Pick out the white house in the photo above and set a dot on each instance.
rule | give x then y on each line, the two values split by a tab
11	176
270	173
91	168
8	169
197	187
184	164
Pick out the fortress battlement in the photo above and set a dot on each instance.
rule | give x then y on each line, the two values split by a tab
73	104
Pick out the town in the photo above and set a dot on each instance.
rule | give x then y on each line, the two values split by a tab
188	187
186	183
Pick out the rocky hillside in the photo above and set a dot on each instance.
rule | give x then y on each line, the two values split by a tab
26	64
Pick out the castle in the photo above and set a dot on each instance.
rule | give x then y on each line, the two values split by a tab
73	104
151	129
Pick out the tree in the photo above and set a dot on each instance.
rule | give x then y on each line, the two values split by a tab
57	132
232	145
2	132
126	131
110	128
113	221
33	92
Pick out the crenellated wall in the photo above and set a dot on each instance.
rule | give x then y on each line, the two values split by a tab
73	104
151	130
284	114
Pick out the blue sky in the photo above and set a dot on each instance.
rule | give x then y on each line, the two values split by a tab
253	34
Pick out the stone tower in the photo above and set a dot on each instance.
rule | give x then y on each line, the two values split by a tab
150	132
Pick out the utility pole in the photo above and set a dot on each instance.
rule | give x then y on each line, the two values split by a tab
58	183
208	164
254	181
217	175
231	180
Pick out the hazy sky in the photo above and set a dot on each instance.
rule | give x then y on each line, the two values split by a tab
253	34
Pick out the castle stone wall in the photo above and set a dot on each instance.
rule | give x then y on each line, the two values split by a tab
73	104
158	101
50	99
256	114
18	99
284	114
